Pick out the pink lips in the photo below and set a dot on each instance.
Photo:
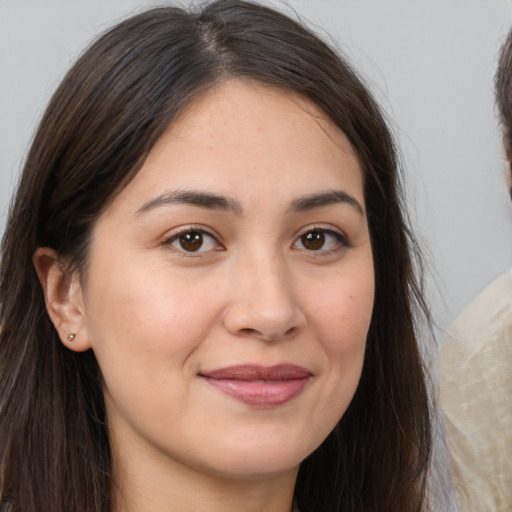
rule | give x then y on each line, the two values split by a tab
260	386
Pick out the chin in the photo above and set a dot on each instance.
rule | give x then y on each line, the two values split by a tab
262	455
257	466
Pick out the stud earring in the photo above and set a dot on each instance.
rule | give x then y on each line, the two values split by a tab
72	336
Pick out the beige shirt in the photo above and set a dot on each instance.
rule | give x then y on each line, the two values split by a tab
476	397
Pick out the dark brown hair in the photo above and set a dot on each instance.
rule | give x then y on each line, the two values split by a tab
503	89
101	123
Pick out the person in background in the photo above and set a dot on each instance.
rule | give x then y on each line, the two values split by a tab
476	369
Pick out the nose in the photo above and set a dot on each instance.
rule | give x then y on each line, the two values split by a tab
264	302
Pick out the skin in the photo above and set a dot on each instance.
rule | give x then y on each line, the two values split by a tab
256	291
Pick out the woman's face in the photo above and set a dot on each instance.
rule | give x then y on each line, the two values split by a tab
230	286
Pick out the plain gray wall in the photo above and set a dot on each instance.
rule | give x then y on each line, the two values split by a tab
429	62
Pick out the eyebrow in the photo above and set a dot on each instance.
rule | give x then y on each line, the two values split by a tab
219	202
190	197
328	198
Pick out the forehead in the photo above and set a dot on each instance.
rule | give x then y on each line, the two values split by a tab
241	108
244	137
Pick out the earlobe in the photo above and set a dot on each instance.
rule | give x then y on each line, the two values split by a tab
63	298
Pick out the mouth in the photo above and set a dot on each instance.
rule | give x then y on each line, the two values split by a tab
260	386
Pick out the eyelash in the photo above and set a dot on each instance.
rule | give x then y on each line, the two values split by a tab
189	230
341	241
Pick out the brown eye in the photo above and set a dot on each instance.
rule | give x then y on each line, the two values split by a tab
313	240
191	241
323	241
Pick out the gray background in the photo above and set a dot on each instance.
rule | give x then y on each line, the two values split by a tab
429	62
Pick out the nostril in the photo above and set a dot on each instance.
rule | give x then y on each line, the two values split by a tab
267	320
291	331
247	331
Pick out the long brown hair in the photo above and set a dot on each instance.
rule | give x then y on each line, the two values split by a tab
101	123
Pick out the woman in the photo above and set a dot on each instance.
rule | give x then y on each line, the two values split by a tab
210	215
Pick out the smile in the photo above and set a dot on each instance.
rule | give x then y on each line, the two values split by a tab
260	386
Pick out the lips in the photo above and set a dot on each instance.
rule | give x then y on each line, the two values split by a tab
259	386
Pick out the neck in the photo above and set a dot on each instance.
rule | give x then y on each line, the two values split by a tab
156	483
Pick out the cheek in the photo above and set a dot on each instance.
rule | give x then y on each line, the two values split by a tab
343	315
143	318
344	311
340	316
146	326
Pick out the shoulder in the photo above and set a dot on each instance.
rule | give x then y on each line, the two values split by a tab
487	319
476	397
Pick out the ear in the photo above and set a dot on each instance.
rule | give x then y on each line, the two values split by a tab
63	297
